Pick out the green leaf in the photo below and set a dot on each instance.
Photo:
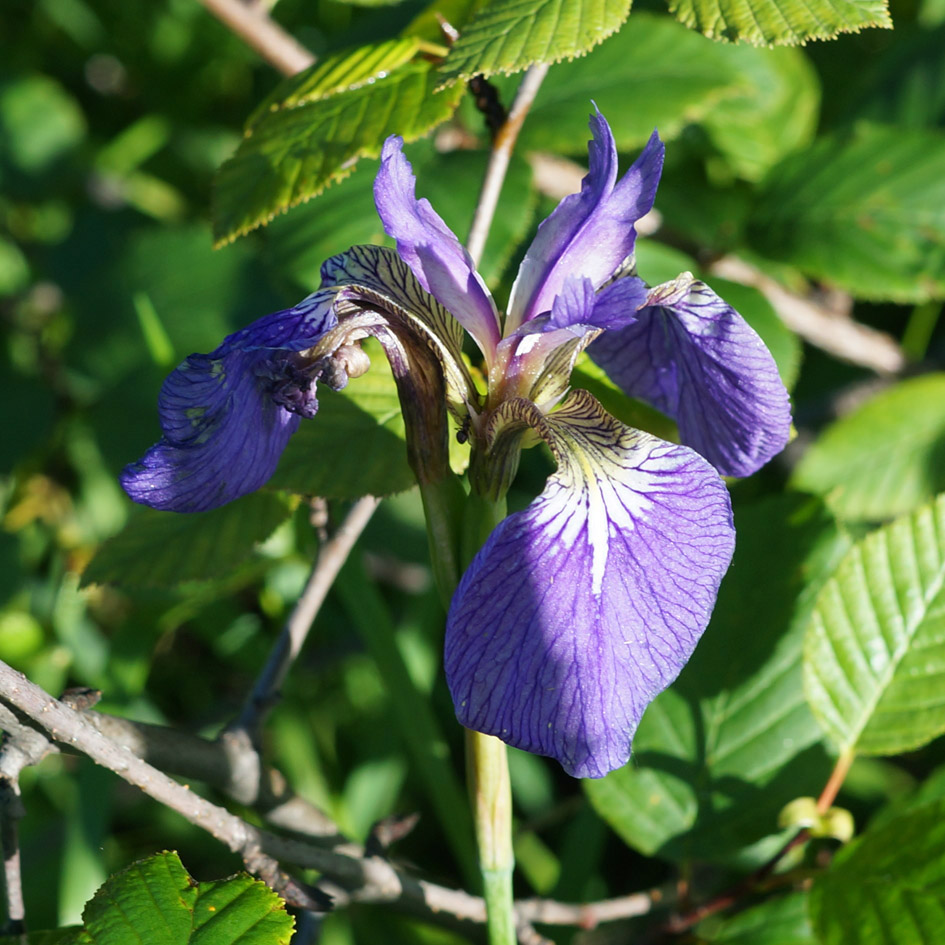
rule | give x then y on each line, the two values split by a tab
294	153
510	35
355	446
865	213
156	901
887	887
884	458
779	22
775	114
671	76
874	655
906	84
164	549
342	71
718	755
779	921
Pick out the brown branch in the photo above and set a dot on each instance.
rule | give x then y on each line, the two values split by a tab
351	874
835	333
499	159
329	561
263	34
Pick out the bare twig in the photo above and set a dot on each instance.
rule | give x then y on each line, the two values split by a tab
499	160
836	334
331	556
258	30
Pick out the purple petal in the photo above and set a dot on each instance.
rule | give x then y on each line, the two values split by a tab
580	609
692	356
438	259
590	233
223	431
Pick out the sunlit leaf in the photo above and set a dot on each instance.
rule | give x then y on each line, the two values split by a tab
164	549
718	754
887	887
294	153
156	901
780	22
884	458
510	35
349	69
865	213
874	655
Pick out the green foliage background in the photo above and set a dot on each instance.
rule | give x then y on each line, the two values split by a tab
821	165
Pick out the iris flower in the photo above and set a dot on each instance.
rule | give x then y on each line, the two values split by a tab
579	609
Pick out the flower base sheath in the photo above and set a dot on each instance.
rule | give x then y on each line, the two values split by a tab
578	610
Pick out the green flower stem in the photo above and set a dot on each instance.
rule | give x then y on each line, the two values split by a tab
486	756
487	767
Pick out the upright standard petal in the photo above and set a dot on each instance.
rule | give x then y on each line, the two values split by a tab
589	233
431	249
692	356
224	416
580	609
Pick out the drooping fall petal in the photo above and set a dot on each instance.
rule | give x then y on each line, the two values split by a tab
222	416
692	356
580	609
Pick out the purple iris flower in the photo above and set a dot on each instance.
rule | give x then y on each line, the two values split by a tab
580	609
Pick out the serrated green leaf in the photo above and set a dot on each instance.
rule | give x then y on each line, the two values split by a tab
780	22
671	76
164	549
775	115
718	755
342	71
779	921
155	901
355	446
874	655
294	153
510	35
887	887
865	213
884	458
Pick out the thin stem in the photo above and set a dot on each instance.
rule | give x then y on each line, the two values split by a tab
259	31
832	788
11	811
491	796
499	160
331	556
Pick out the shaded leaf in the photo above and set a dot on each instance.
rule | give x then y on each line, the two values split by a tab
510	35
865	213
718	754
874	655
671	75
778	22
884	458
779	921
355	446
887	887
294	153
156	901
164	549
